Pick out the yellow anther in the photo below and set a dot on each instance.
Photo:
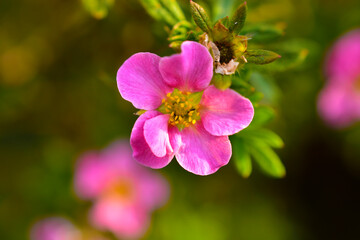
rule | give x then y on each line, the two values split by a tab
182	105
176	117
172	114
163	100
190	119
193	121
178	100
180	118
168	94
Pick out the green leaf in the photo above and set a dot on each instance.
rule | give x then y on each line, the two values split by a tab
263	32
158	11
241	157
261	56
266	158
200	17
174	8
265	135
98	8
238	19
263	115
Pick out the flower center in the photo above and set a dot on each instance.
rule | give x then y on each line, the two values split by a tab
226	52
121	188
183	108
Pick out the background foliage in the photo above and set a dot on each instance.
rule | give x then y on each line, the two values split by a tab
58	98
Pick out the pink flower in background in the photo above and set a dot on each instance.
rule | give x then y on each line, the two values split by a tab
339	101
124	192
55	228
185	117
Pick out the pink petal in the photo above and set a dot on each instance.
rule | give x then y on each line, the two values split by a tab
124	220
140	82
141	150
156	135
153	190
339	104
91	176
202	153
190	70
225	112
343	60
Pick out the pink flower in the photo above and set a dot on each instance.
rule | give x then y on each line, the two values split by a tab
55	228
123	191
185	117
339	101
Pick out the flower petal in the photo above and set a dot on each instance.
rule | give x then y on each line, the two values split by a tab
190	70
339	104
225	112
140	82
141	150
156	135
91	176
123	219
153	190
202	153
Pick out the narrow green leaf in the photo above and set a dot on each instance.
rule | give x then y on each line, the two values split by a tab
200	17
158	12
174	8
238	19
263	32
266	158
261	56
265	135
241	157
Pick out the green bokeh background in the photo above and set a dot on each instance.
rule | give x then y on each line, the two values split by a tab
58	98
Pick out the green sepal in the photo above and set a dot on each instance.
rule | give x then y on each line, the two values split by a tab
221	33
200	17
266	158
140	112
261	56
241	157
225	21
238	19
221	82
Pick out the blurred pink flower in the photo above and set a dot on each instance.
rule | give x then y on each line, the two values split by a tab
55	228
185	117
339	101
123	191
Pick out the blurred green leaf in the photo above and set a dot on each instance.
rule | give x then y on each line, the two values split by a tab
174	8
200	17
98	8
241	157
266	158
159	12
238	19
221	8
263	32
263	115
265	135
261	56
